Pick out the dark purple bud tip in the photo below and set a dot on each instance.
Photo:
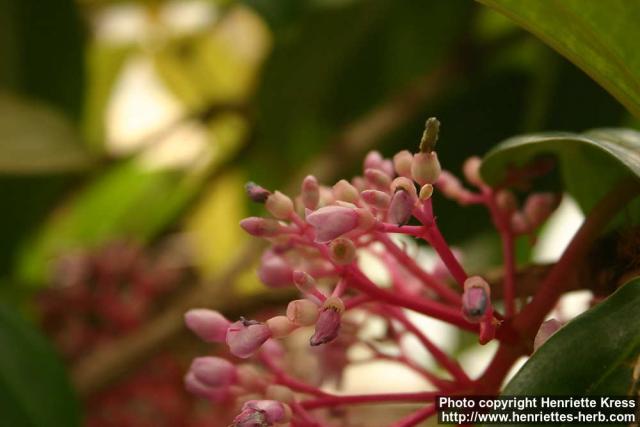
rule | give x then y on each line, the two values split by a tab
256	193
475	299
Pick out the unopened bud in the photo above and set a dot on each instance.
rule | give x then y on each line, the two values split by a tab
281	326
279	205
519	223
302	312
274	270
330	222
261	227
476	299
547	329
343	190
506	201
196	387
539	206
401	207
377	178
430	135
342	251
426	191
262	413
373	160
245	337
209	325
425	168
450	186
471	170
376	199
214	371
310	192
329	320
256	193
402	163
402	183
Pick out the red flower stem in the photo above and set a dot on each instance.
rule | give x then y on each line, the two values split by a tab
429	376
416	417
443	359
410	264
340	288
412	230
300	411
421	305
503	226
357	399
285	379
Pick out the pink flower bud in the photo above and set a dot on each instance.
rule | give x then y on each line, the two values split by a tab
342	251
377	178
274	271
547	329
209	325
402	163
376	199
471	170
261	227
310	192
273	350
373	160
539	206
303	281
343	190
332	221
213	371
401	207
506	201
281	326
425	168
245	337
450	185
256	193
406	184
475	299
279	205
195	387
302	312
426	191
519	223
329	320
262	413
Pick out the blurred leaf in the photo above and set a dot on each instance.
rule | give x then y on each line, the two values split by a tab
590	164
600	37
126	202
608	344
41	46
37	139
34	390
213	224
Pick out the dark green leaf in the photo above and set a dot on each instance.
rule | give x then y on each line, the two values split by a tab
592	355
36	139
34	390
590	164
598	36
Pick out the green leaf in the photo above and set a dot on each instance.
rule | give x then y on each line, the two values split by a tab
598	36
35	139
594	354
590	164
34	390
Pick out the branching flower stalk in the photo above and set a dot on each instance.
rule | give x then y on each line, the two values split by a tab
316	242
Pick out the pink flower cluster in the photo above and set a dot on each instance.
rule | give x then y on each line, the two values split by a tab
317	239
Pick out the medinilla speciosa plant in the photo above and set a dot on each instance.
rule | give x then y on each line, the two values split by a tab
319	238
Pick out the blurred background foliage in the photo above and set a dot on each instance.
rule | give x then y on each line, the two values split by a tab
141	120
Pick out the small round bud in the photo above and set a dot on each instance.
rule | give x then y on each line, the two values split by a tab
539	206
310	192
214	371
406	184
425	168
330	222
342	251
256	193
261	227
377	178
209	325
519	223
476	299
471	171
279	205
302	312
274	270
376	199
373	160
343	190
506	201
426	191
402	163
245	337
280	326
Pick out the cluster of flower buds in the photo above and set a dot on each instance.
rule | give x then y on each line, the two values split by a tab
317	240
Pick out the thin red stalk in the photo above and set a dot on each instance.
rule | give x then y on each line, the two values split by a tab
443	359
409	263
285	379
300	411
421	305
416	417
412	230
369	398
